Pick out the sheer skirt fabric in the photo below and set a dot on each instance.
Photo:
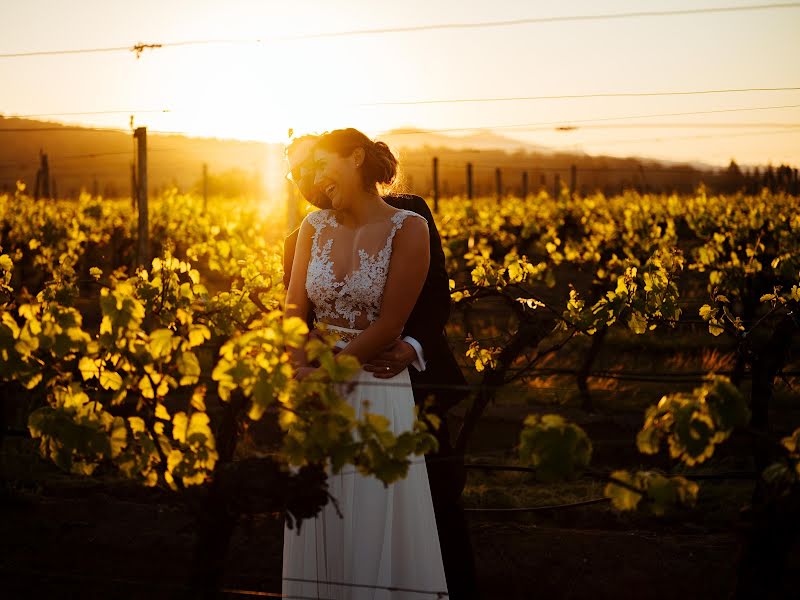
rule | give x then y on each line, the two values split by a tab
387	536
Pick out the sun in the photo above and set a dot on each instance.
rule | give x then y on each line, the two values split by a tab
256	93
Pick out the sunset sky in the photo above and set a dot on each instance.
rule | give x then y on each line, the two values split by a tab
258	90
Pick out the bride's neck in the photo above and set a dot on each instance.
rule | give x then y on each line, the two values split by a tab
366	207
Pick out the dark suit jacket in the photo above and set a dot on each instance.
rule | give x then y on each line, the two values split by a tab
427	319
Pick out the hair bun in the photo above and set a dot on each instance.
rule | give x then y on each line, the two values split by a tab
386	163
380	164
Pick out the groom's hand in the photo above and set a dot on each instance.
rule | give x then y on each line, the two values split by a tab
392	360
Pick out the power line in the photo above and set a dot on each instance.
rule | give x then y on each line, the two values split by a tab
97	154
136	48
139	48
540	20
530	127
92	112
674	125
508	127
445	101
568	96
522	127
789	128
55	159
101	130
62	128
697	137
569	128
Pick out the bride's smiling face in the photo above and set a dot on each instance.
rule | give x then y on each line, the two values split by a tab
338	177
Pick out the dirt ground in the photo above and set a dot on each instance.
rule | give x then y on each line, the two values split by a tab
90	544
84	538
94	538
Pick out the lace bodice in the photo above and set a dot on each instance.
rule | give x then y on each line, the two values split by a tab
355	297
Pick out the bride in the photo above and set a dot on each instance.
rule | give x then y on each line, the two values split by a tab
360	266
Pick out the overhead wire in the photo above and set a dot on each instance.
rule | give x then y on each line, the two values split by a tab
88	112
575	96
507	127
542	20
140	47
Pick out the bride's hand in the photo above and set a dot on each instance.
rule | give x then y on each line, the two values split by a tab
396	357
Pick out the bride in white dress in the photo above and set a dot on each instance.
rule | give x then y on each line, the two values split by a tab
360	266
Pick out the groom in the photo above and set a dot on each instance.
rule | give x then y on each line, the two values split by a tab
432	367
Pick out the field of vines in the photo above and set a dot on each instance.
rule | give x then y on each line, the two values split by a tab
632	428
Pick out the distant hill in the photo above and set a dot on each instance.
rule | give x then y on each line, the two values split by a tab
479	140
99	160
80	156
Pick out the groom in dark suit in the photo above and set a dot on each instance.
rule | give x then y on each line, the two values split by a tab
433	370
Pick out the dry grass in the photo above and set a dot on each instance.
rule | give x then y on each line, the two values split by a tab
710	360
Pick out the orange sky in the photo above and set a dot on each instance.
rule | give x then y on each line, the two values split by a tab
259	90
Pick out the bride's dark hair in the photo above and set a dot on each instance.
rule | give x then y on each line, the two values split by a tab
380	165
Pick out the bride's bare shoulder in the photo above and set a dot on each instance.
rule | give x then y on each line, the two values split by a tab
405	218
411	228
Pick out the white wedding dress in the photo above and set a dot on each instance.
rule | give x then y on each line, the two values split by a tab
387	536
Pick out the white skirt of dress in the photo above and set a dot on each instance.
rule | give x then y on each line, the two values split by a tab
386	537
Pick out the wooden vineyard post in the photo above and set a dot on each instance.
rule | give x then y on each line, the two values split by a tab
556	186
42	177
134	189
143	254
498	184
524	184
45	166
435	184
469	181
573	180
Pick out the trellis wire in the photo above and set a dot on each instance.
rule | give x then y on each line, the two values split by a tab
236	591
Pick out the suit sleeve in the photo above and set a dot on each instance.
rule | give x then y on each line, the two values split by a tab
432	310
